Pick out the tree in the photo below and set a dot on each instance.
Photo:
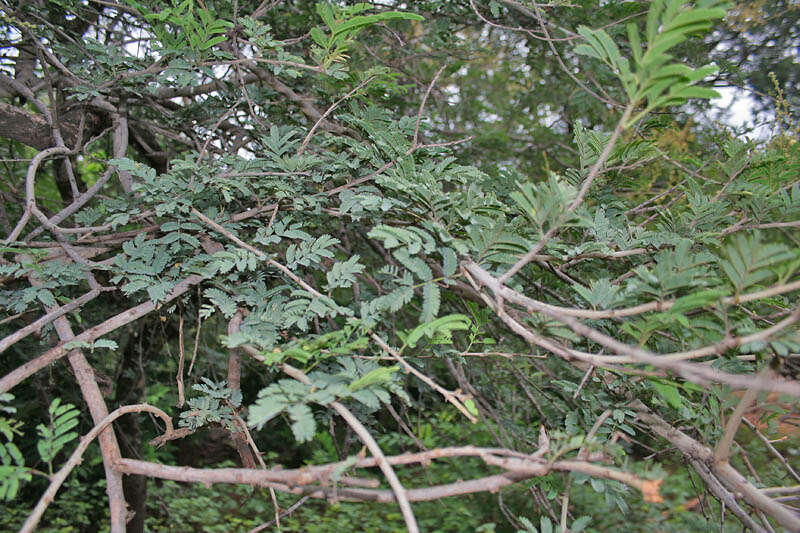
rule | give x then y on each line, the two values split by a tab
292	231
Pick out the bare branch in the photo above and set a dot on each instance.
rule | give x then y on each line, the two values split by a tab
723	471
415	140
30	194
696	372
75	459
450	396
21	373
37	325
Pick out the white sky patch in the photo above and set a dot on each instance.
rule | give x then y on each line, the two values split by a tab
737	109
453	93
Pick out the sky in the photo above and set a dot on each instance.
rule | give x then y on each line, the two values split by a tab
736	108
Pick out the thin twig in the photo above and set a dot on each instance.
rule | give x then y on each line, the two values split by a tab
374	449
448	395
285	513
415	140
589	372
196	333
722	452
774	451
587	183
329	111
565	504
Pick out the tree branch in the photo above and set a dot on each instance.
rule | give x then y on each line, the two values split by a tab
21	373
75	459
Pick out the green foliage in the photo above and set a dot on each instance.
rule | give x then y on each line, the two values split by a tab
653	78
378	376
746	261
182	24
99	343
544	203
364	381
215	406
142	264
13	471
361	211
440	331
57	434
342	273
343	25
546	526
53	437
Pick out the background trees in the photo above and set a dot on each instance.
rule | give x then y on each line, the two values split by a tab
484	235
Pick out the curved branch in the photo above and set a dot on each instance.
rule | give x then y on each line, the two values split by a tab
696	372
74	460
30	193
301	481
658	306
